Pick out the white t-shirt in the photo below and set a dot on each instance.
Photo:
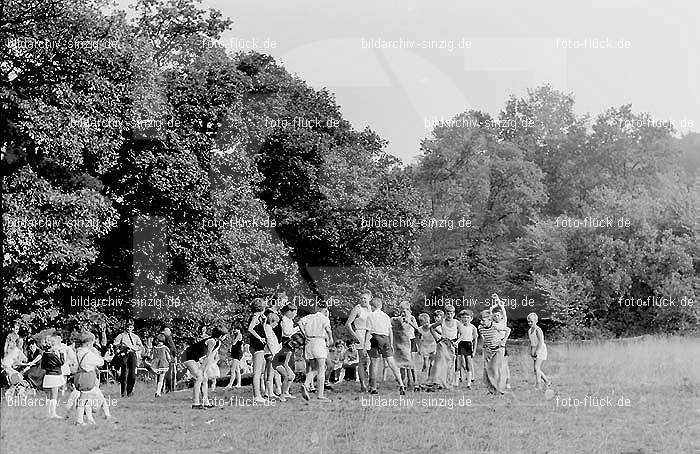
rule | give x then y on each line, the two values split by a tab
288	327
314	325
467	333
89	359
379	323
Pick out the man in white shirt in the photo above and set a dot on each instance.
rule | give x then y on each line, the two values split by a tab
380	337
127	372
317	330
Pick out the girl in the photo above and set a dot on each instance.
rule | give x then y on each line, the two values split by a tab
256	331
426	342
247	360
160	363
51	362
236	356
538	349
290	341
272	350
197	358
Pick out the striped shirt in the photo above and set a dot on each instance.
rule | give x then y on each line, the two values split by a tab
491	335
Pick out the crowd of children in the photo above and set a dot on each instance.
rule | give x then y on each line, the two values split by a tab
422	355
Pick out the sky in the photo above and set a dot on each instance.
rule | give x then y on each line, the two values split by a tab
398	66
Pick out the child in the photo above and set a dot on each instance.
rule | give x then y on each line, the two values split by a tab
538	349
500	319
272	348
426	342
160	362
493	346
212	372
466	346
51	362
337	367
236	356
247	360
351	360
87	382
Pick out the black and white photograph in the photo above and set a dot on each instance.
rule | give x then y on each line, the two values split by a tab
332	226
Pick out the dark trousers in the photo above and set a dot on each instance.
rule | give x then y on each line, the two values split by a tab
170	378
127	373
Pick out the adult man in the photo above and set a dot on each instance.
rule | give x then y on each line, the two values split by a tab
317	330
133	349
380	337
357	325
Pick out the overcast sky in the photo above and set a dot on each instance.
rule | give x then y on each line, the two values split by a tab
507	47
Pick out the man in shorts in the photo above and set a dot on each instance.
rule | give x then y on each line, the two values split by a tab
316	328
380	337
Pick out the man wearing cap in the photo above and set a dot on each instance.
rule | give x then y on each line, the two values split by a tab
317	330
127	374
380	337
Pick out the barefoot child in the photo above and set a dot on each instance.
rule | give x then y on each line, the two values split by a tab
160	363
426	342
466	346
500	319
86	381
538	349
51	362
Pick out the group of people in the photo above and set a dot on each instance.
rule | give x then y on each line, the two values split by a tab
422	354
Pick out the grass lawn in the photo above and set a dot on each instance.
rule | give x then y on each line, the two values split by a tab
658	380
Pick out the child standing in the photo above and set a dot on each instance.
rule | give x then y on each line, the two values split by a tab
426	342
54	379
160	362
538	349
466	346
87	382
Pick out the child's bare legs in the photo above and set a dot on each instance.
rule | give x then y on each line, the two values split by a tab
198	375
258	370
235	374
80	410
269	378
341	374
52	403
538	372
470	371
392	365
506	371
160	381
102	403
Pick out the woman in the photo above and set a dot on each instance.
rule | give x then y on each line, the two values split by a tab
236	356
197	359
13	339
256	331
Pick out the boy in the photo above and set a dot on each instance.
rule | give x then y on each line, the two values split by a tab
351	360
493	345
466	345
500	318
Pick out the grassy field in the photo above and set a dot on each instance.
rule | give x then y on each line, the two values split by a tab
648	393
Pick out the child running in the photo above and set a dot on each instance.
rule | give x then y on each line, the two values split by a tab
538	349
